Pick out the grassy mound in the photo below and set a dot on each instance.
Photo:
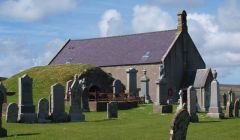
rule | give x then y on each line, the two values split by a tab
43	78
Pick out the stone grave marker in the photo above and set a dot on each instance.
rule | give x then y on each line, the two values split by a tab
236	108
57	113
76	110
85	94
192	104
26	109
3	131
117	87
229	110
112	110
179	125
224	100
145	87
43	110
215	110
131	81
67	91
12	113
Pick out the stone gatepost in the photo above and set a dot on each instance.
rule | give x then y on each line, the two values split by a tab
76	109
192	104
3	132
26	112
145	87
57	107
160	105
131	81
215	110
180	100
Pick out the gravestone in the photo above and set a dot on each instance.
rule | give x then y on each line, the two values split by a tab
180	100
43	110
85	94
3	132
161	105
57	113
236	108
233	98
145	87
117	87
179	125
192	104
112	110
131	81
26	109
224	100
67	92
75	112
215	110
12	113
229	110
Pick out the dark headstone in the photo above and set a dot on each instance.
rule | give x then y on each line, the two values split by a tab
192	104
12	113
229	110
43	110
117	87
236	108
112	110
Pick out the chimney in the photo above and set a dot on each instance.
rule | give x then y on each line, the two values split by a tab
182	21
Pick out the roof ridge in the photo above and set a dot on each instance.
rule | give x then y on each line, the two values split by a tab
123	35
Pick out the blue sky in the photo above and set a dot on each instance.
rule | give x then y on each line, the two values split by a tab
32	31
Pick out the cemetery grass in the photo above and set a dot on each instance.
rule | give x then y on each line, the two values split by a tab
134	124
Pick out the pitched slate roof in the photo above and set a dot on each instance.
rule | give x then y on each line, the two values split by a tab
201	77
141	48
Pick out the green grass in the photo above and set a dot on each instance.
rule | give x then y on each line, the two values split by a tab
135	124
43	78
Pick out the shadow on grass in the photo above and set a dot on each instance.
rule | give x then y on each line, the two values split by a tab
209	121
24	134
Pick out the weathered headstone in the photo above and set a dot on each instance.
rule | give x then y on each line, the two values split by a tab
160	105
43	110
26	109
229	110
57	113
85	94
67	91
112	110
75	112
12	113
179	125
192	104
145	87
224	100
236	108
233	98
131	81
3	132
215	109
117	87
180	100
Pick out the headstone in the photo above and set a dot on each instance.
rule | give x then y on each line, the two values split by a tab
229	110
57	113
160	105
117	87
112	110
224	100
85	94
179	125
67	91
3	132
26	109
180	100
233	98
43	110
12	113
75	112
145	87
131	81
215	108
236	108
192	104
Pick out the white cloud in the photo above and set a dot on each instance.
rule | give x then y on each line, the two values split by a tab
31	10
148	18
111	23
179	3
17	55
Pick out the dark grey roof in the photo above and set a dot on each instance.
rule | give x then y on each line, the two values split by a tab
201	77
119	50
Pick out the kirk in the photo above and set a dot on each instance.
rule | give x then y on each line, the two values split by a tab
171	52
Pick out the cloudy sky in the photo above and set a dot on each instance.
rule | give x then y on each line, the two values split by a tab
32	31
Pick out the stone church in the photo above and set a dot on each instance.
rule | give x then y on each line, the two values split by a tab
173	48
